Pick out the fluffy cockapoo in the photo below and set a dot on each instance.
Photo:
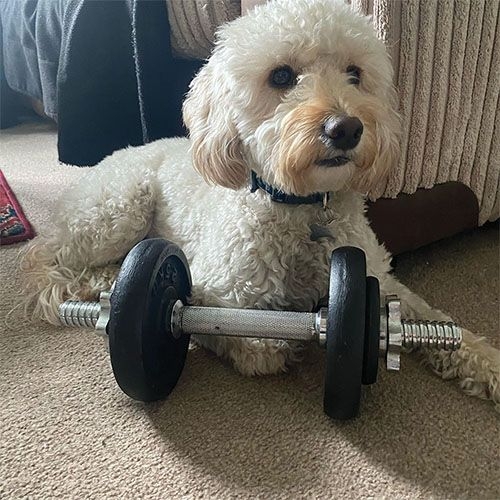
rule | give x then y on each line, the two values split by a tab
295	102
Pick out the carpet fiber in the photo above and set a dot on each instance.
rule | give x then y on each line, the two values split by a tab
66	431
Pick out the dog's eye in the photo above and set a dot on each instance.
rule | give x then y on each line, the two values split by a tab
354	74
282	77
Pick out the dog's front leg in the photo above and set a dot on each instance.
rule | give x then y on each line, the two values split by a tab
476	363
252	356
249	356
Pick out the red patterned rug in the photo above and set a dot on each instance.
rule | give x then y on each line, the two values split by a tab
14	226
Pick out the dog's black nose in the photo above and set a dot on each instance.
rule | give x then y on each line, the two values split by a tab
344	132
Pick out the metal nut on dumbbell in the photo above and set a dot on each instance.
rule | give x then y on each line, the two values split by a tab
149	325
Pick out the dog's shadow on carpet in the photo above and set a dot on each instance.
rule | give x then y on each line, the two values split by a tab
272	431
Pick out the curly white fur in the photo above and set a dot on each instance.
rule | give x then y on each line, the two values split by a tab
245	250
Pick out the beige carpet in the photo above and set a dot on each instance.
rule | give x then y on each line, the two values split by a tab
66	431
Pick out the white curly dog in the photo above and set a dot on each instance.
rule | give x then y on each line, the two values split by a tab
297	100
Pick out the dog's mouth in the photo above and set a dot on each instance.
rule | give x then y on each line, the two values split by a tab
335	161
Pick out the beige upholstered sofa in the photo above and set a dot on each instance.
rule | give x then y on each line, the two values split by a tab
446	56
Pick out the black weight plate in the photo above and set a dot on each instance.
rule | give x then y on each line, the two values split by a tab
345	333
372	331
147	360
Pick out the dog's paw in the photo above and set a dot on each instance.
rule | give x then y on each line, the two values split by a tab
263	356
253	356
476	364
50	278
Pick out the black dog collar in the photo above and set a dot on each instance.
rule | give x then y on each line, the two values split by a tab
279	196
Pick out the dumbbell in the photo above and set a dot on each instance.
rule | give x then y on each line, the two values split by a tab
148	323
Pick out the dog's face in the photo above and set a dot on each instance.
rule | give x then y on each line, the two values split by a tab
299	91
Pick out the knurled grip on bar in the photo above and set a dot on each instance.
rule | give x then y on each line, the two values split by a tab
395	332
243	323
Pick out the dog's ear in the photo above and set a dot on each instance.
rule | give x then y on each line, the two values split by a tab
383	147
216	146
389	137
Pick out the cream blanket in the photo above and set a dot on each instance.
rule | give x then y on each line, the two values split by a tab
446	56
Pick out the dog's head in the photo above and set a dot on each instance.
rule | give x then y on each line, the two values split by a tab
299	91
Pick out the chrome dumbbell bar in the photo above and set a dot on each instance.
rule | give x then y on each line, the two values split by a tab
149	327
395	332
